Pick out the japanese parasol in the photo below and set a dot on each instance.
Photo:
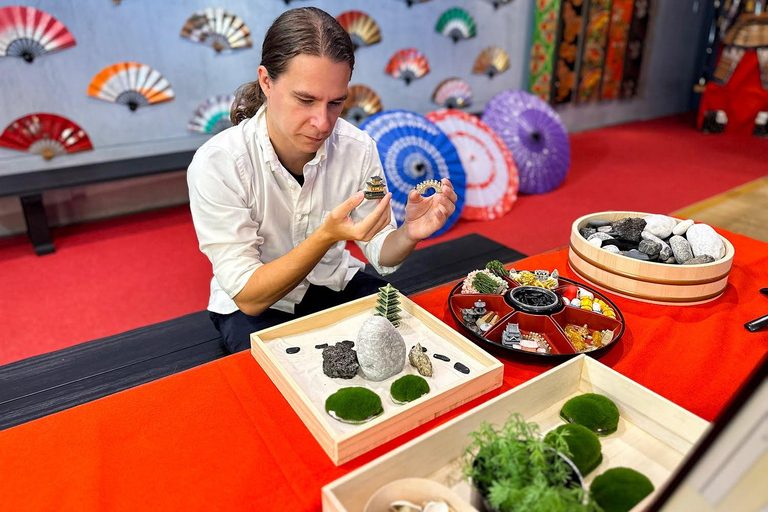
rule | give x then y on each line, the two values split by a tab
491	173
534	134
412	149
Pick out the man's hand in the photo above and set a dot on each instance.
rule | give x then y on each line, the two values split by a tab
425	215
339	226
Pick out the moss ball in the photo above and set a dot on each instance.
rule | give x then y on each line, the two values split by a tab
583	445
408	388
354	405
596	412
620	489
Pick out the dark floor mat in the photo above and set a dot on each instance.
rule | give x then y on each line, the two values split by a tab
53	382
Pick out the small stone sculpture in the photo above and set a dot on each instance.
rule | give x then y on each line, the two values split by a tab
388	305
510	335
420	361
340	361
380	349
374	189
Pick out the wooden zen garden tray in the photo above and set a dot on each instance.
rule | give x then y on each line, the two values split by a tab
299	375
550	324
653	437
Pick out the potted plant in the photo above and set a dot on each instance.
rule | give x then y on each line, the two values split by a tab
515	470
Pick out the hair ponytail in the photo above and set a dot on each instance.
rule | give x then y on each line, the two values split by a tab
302	31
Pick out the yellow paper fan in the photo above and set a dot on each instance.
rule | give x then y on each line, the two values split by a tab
491	61
362	29
362	102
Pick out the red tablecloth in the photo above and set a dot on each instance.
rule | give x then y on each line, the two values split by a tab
221	436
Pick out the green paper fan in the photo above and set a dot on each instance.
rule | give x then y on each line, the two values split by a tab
457	24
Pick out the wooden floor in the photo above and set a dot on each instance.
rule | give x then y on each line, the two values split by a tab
743	210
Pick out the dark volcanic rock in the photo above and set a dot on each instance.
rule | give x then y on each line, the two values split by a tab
292	350
587	232
651	248
347	343
629	228
321	346
441	357
460	367
340	361
624	245
423	349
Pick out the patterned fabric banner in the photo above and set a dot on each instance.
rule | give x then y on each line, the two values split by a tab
621	17
543	48
635	45
762	61
570	33
593	56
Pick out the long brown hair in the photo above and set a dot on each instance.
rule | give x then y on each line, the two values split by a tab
302	31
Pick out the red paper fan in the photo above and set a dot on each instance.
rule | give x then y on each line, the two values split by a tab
27	32
48	135
408	64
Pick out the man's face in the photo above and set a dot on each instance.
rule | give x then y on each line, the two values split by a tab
304	103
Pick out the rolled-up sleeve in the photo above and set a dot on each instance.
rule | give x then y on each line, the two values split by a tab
372	249
222	214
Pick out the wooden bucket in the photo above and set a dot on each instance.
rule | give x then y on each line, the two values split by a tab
646	281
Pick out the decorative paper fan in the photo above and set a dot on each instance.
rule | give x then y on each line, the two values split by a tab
491	61
412	150
457	24
212	116
362	102
492	181
409	3
131	83
45	134
408	64
28	33
362	29
534	134
497	3
218	28
453	93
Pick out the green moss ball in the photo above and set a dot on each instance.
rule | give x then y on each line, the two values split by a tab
354	405
620	489
583	445
408	388
596	412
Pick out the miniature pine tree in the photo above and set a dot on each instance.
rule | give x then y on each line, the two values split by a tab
497	268
388	305
485	283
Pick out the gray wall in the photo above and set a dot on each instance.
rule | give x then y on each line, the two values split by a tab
148	32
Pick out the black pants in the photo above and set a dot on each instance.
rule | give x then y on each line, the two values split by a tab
236	328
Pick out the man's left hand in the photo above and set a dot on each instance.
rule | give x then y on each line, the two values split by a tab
425	215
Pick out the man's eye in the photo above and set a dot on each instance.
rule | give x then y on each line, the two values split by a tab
336	103
305	102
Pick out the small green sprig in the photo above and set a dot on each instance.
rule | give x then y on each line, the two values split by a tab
484	283
518	472
497	268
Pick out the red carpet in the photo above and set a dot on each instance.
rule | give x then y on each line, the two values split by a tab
111	276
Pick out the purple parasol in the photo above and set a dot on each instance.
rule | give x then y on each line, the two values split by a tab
534	134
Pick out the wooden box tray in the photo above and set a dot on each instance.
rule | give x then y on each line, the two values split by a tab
654	434
300	378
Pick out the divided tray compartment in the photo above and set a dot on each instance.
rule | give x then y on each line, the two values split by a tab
552	324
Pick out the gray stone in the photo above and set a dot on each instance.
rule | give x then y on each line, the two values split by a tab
705	240
665	253
340	362
682	227
601	236
380	349
612	249
420	361
647	235
651	248
671	260
587	232
681	249
700	260
598	223
660	225
604	229
595	241
634	253
629	228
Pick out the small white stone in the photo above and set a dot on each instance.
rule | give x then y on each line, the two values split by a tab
705	240
659	225
596	242
596	307
682	227
576	303
612	249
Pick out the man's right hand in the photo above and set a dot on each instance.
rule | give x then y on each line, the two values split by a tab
339	225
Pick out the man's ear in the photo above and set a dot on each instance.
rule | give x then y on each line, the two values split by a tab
265	82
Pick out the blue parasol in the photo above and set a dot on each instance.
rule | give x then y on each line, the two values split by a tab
412	149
